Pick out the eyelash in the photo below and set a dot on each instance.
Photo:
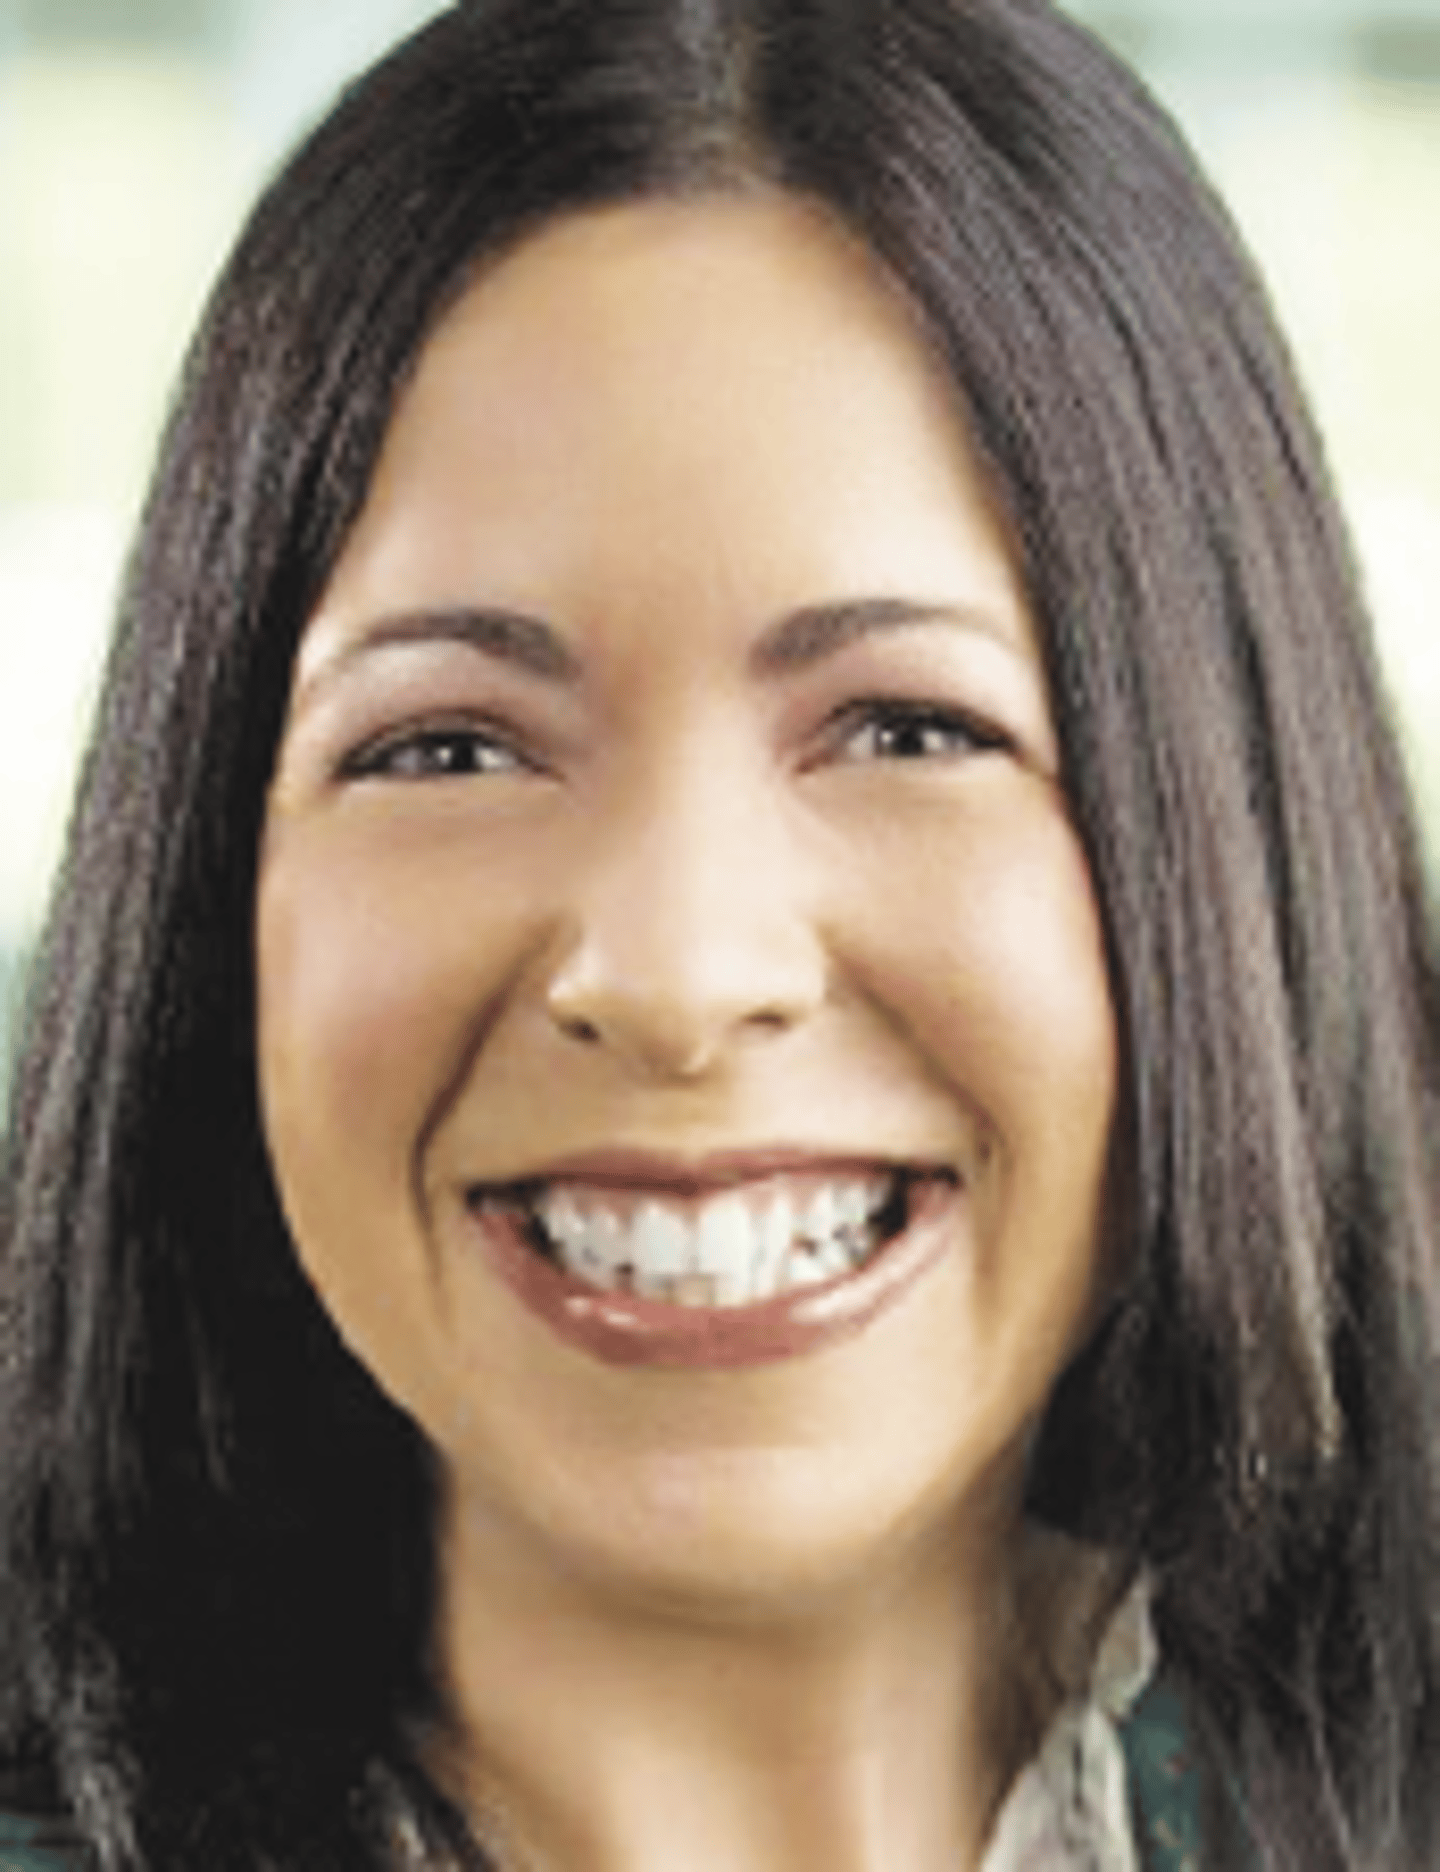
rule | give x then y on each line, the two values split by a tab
465	750
963	734
442	751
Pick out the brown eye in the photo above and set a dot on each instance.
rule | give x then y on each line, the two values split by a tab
890	731
435	754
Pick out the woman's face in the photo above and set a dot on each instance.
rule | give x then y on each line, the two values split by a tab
685	1043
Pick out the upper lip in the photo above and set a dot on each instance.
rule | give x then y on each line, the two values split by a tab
694	1175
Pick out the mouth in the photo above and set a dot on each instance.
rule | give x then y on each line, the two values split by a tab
744	1270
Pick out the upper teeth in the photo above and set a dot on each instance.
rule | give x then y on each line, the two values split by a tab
727	1250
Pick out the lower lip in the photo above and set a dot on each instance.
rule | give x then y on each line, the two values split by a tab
626	1329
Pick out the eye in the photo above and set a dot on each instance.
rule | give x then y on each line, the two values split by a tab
913	731
443	752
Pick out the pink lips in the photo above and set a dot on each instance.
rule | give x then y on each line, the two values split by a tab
627	1329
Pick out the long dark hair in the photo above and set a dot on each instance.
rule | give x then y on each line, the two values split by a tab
215	1560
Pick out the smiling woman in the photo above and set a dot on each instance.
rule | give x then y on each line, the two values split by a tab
724	1134
586	1017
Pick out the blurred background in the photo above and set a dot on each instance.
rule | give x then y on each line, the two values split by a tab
134	132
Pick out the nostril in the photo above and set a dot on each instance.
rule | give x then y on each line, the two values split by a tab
675	1010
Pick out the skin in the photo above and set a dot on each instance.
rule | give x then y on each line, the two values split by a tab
690	898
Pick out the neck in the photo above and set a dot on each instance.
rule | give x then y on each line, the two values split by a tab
872	1727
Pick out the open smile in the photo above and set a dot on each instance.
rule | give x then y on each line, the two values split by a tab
742	1271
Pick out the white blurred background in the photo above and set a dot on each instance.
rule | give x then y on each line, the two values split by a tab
134	132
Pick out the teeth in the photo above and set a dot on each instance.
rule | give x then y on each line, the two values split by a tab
693	1290
777	1231
659	1248
729	1251
822	1215
603	1249
725	1247
597	1250
802	1269
566	1225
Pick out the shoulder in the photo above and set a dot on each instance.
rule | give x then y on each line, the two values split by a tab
34	1845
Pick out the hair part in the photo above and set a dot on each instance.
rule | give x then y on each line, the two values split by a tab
214	1532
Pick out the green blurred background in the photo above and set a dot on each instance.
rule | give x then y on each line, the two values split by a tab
134	132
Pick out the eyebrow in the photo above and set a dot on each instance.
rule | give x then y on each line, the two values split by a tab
814	632
508	636
795	642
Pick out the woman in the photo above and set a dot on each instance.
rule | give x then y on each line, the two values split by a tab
726	1152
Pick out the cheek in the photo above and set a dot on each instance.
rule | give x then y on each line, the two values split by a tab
373	992
1041	950
371	996
1003	987
1000	958
337	990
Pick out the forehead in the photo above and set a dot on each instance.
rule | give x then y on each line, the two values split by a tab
656	280
724	396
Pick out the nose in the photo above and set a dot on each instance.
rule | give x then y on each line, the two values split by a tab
689	936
